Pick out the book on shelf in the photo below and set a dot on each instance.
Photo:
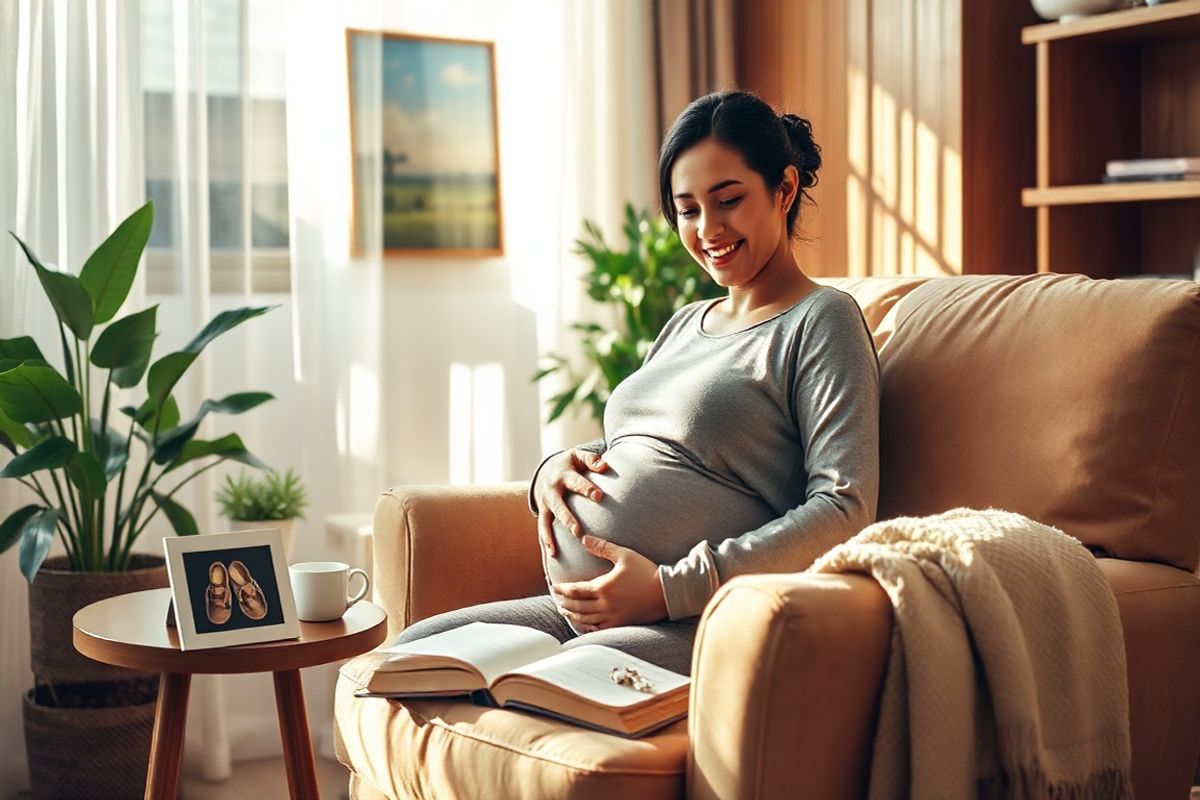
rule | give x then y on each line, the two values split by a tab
1162	176
518	667
1133	168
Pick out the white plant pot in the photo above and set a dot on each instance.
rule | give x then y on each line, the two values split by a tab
287	528
1064	10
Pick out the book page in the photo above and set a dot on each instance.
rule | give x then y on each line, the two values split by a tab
491	648
586	671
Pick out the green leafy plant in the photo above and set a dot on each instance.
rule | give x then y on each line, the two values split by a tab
273	496
647	283
67	445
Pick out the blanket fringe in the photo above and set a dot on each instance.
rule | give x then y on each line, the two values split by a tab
1105	760
1032	784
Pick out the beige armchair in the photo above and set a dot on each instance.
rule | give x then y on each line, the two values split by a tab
1075	402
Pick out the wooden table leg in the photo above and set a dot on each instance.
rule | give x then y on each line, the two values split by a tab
293	729
166	745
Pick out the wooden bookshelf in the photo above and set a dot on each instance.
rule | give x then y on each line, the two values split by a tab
1115	86
1177	20
1138	192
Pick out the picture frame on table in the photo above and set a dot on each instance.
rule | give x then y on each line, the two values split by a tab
424	143
230	589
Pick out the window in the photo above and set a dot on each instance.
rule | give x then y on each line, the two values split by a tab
246	139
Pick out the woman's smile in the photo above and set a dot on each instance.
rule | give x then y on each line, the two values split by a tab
722	254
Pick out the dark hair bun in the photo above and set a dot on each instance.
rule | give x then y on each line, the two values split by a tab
767	142
807	151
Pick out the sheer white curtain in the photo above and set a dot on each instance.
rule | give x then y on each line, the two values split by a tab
230	115
70	170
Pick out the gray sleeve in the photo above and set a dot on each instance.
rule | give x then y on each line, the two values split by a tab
836	402
597	446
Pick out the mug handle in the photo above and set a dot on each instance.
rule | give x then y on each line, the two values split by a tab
366	586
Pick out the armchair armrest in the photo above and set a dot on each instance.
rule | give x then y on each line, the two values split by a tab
438	548
786	682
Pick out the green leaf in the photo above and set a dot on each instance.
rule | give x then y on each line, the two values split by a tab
170	445
17	433
50	454
230	447
559	403
222	323
10	529
87	474
70	300
110	449
164	374
167	371
22	348
125	347
36	537
168	417
238	403
109	271
68	360
181	519
37	393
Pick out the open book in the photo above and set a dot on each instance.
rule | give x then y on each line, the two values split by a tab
516	666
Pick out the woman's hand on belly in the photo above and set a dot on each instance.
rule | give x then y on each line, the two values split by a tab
628	594
561	474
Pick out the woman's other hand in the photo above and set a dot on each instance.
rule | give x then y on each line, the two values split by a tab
628	594
560	474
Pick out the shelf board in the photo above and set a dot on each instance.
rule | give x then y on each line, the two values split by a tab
1176	20
1110	193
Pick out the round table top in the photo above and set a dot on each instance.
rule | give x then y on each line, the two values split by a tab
130	630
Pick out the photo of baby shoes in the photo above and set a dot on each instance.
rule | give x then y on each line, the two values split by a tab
217	600
249	593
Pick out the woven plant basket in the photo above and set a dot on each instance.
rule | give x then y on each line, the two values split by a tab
54	597
98	753
100	750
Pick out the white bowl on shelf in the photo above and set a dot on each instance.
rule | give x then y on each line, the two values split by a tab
1064	10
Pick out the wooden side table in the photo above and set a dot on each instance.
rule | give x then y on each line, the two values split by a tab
130	631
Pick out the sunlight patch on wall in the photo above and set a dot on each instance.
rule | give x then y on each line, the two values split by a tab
856	227
926	218
885	175
363	419
886	241
908	169
952	209
908	255
477	438
857	133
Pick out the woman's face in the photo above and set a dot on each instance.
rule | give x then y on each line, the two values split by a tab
721	204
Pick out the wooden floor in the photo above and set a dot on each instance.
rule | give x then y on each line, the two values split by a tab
266	780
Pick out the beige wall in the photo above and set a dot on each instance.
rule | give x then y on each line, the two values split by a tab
924	112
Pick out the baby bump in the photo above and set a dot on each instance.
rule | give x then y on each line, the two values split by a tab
655	504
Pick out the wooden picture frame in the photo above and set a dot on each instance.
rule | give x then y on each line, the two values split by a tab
429	123
256	604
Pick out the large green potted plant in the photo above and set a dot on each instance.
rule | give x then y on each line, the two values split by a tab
95	492
646	283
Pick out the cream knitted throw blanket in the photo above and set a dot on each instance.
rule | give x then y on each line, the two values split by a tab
1007	669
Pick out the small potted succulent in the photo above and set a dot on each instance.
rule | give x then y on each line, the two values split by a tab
276	500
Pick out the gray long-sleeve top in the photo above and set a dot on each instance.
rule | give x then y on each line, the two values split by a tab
747	452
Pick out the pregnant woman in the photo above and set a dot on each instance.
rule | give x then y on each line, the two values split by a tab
748	440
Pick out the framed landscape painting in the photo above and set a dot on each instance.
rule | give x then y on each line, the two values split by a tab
424	143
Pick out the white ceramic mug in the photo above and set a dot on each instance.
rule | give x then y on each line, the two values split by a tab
321	589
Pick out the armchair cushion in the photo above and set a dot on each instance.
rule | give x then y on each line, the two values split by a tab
451	749
1069	400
